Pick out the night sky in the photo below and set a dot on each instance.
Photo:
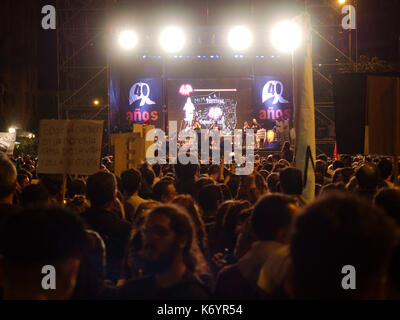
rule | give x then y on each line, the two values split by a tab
378	35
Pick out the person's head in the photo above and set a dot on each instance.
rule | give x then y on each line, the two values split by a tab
148	174
367	177
101	189
337	164
286	146
131	181
321	167
322	157
34	194
78	203
8	179
235	215
38	239
189	204
246	124
76	187
226	192
343	175
210	196
53	183
338	231
254	121
385	168
273	182
332	188
273	216
291	182
23	180
186	172
276	157
214	171
389	200
169	239
157	169
261	184
164	191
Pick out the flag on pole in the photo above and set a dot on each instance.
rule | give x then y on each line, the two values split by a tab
303	101
335	154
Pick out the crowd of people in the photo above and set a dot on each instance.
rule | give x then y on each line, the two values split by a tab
198	232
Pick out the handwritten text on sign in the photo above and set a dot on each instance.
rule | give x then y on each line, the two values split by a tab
70	146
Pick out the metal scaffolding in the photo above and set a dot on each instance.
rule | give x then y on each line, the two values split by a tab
332	50
82	60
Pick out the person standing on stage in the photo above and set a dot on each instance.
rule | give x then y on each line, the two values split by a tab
189	110
282	129
255	126
245	126
196	125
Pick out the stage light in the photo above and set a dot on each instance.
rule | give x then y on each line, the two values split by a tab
96	102
11	130
198	57
154	57
272	57
205	57
286	36
128	40
236	56
187	57
217	56
212	57
342	1
144	56
180	57
241	56
262	57
240	38
172	39
257	57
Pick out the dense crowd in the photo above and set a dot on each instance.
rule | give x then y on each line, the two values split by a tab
201	231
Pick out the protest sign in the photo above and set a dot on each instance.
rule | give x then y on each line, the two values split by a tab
70	146
7	142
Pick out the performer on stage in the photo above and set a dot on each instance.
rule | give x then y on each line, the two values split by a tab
245	127
255	126
196	124
189	111
215	126
282	129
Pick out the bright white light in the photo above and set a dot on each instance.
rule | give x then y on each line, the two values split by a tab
128	39
11	130
342	1
172	39
240	38
286	36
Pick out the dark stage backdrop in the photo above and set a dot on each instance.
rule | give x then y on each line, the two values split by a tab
272	99
136	100
227	101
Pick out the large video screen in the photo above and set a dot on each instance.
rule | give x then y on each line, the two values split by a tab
226	103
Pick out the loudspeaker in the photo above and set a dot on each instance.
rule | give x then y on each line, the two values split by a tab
349	91
367	110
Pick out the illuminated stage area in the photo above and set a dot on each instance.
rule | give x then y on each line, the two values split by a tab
203	92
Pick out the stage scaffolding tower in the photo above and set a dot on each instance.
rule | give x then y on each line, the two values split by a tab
82	61
332	49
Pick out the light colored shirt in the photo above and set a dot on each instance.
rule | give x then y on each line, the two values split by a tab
135	201
274	270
